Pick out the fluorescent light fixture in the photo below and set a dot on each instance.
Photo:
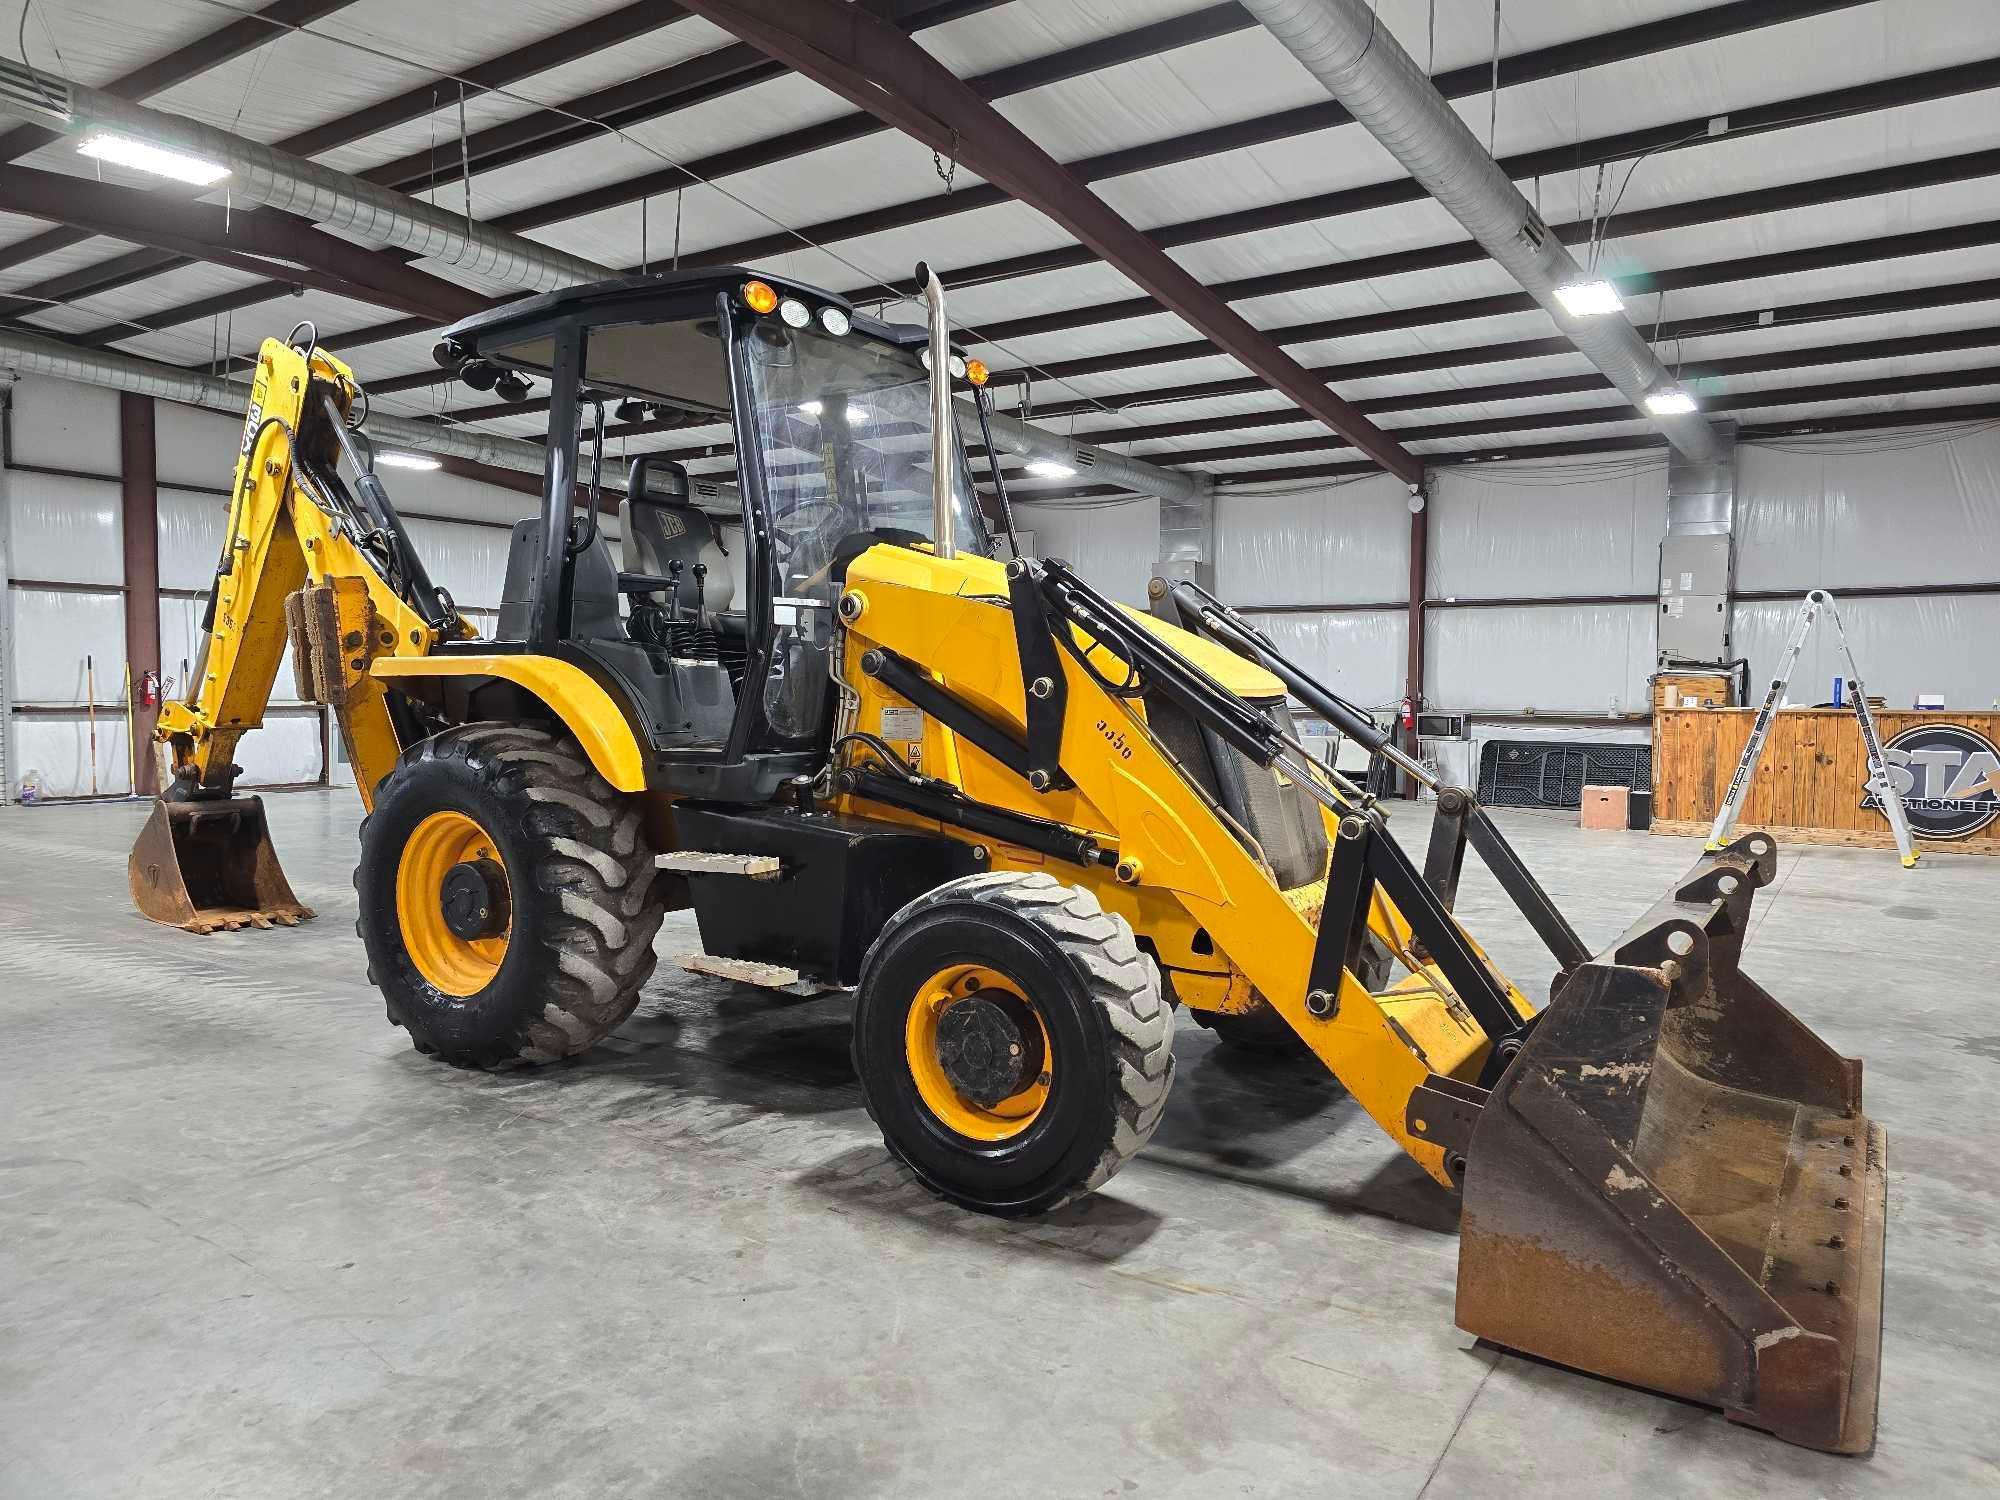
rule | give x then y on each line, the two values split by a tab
856	414
1589	299
1669	401
407	461
144	156
1048	468
810	408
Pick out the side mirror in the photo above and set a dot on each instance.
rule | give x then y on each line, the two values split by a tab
657	478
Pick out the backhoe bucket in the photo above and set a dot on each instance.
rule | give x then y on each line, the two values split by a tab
1674	1186
209	865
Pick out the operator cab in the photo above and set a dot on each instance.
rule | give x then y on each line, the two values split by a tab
713	618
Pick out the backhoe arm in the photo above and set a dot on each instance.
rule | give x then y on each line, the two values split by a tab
301	561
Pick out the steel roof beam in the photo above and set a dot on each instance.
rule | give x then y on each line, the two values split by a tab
883	71
1864	421
243	241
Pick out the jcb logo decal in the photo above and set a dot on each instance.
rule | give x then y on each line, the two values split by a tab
1117	739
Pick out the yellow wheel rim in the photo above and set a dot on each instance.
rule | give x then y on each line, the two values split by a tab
980	1122
456	965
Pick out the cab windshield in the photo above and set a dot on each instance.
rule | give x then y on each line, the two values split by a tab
843	425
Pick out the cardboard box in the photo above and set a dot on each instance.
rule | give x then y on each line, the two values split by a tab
1606	806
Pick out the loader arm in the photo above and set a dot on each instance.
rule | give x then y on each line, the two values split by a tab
1667	1178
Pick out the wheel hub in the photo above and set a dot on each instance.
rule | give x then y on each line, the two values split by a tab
990	1047
473	899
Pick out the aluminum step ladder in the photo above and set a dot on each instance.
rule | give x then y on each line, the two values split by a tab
1879	780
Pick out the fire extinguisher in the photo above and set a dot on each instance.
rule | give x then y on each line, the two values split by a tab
149	689
1407	716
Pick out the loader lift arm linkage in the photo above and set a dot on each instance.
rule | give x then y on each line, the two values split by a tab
1023	823
1667	1178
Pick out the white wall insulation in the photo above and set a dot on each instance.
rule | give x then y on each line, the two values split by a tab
1332	544
1112	547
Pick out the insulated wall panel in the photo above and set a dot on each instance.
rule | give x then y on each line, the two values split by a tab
1546	529
284	751
1845	515
180	647
1577	659
1942	643
190	529
1361	654
194	446
1345	544
1111	547
54	633
468	560
63	426
55	750
64	530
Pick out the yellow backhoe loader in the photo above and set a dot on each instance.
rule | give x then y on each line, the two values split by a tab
1025	824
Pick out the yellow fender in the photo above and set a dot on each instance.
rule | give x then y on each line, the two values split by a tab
591	714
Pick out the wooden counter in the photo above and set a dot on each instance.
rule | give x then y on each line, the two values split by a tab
1808	786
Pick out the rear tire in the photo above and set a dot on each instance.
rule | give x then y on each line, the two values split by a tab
514	813
1045	959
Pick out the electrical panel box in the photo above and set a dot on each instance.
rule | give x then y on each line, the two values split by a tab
1694	598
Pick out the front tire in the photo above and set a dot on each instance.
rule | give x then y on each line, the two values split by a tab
505	893
1012	1042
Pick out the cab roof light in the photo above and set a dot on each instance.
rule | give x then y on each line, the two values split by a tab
760	297
976	371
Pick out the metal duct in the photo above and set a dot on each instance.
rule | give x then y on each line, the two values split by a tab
30	354
1361	64
277	179
1093	465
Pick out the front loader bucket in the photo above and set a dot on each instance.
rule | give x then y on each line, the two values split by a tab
1674	1186
209	865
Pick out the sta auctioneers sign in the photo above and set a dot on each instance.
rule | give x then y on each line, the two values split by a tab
1948	778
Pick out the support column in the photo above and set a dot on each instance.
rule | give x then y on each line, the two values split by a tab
1413	686
138	468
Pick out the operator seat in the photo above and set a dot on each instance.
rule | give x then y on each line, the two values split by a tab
663	536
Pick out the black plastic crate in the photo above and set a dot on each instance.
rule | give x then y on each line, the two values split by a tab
1553	773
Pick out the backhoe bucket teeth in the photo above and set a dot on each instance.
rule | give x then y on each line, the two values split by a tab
1674	1186
208	865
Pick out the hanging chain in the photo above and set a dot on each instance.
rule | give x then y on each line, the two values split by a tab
945	175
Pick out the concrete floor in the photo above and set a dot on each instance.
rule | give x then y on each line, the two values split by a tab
252	1245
